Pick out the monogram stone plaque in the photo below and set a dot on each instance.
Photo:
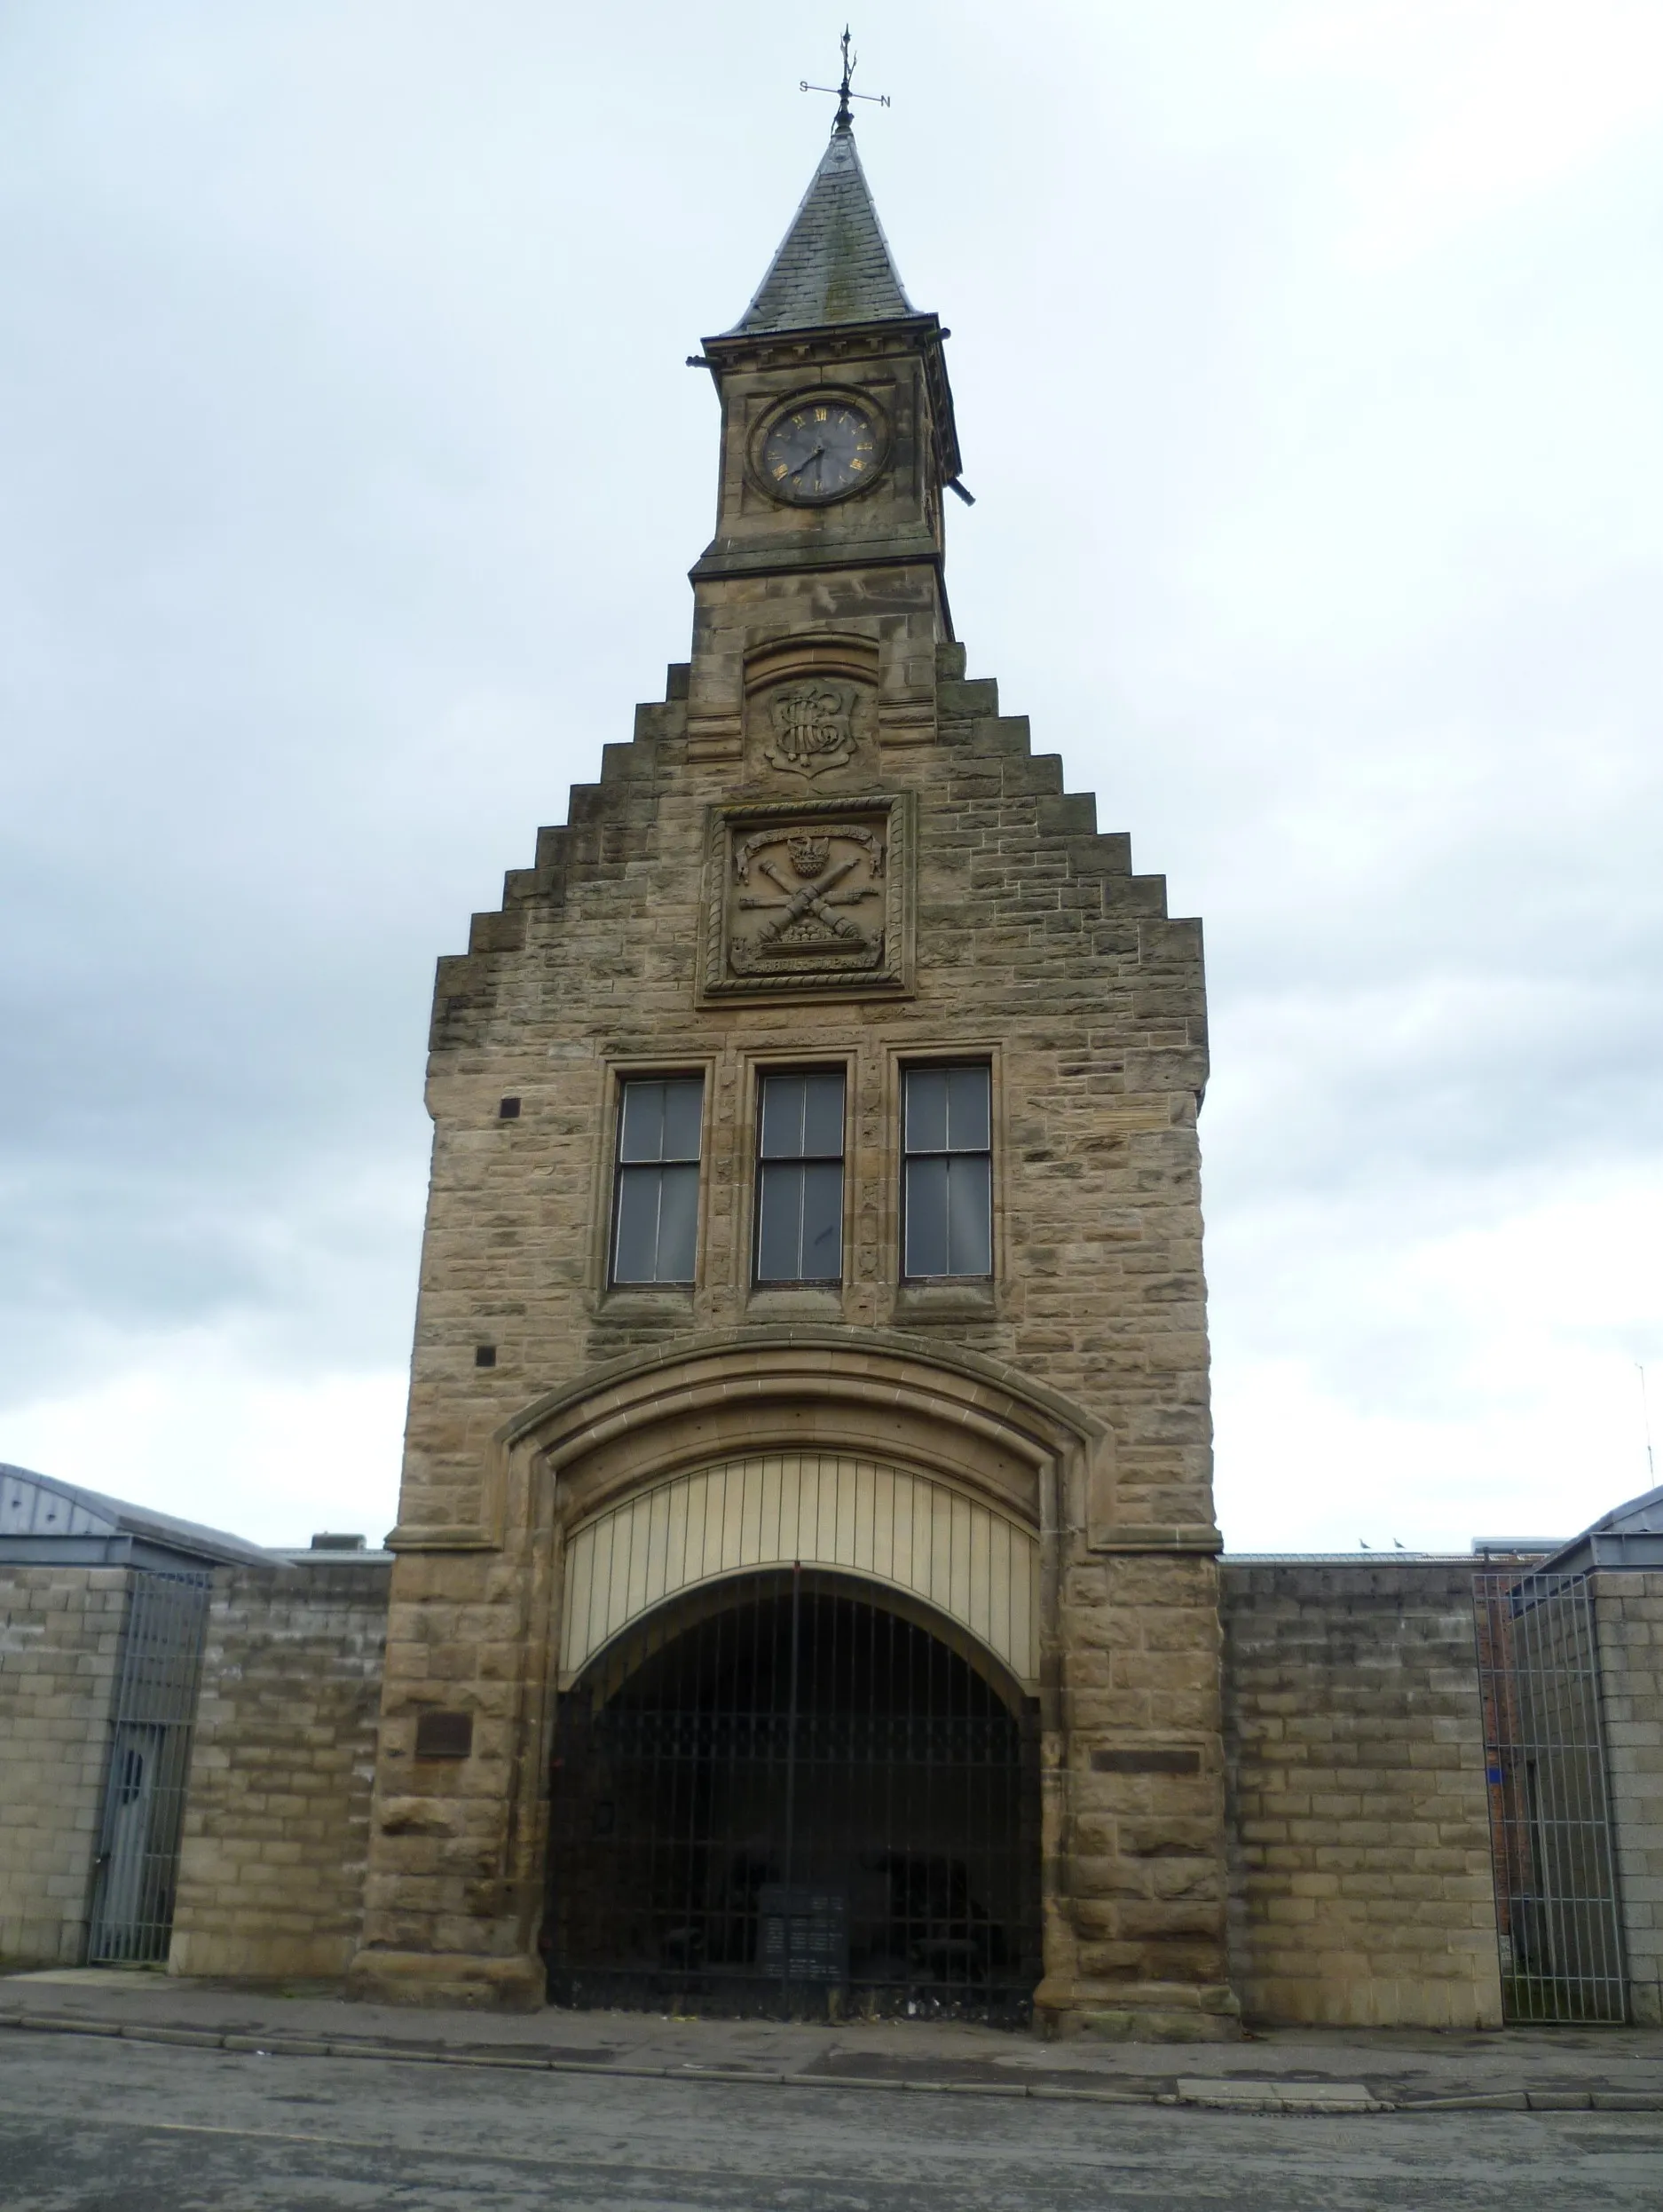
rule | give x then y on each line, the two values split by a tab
810	726
816	721
808	898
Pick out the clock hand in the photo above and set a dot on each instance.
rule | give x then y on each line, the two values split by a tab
814	457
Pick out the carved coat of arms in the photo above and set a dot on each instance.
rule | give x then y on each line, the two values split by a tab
808	899
806	896
811	727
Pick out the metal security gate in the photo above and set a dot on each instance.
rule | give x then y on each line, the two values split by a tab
137	1868
780	1798
1557	1915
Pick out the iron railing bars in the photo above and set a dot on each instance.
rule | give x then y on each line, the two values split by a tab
913	1858
147	1766
789	1871
1558	1917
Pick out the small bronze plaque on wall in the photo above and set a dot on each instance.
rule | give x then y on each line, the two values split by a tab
1149	1759
444	1735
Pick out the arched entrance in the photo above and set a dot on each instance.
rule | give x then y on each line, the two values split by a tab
795	1791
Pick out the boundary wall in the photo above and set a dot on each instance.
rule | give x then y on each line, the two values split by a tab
277	1819
1360	1884
60	1640
1362	1888
1629	1609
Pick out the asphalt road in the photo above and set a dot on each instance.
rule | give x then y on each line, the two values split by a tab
90	2125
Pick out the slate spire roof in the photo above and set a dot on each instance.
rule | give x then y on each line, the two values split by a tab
834	263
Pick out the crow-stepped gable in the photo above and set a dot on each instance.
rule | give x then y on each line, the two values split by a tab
806	1521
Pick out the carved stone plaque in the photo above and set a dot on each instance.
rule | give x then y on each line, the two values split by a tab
809	726
808	897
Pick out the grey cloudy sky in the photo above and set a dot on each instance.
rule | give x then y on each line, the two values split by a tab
1308	356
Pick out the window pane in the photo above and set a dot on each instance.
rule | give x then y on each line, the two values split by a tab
802	1116
823	1116
678	1224
969	1216
967	1131
779	1222
682	1101
822	1223
925	1199
636	1255
782	1101
660	1120
926	1110
641	1132
799	1223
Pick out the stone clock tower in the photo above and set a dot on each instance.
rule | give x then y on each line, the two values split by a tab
806	1591
837	438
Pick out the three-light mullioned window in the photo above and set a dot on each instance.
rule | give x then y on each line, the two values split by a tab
655	1219
946	1177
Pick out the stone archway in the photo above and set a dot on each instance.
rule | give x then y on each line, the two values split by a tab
799	1793
977	1566
972	1422
968	1438
944	1484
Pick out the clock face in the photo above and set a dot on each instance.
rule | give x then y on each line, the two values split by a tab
820	449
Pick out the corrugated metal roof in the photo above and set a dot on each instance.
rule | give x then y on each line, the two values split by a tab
39	1505
1640	1516
309	1555
1344	1559
1631	1535
833	265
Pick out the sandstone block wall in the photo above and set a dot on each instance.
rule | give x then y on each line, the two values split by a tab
277	1817
60	1635
1142	1869
1361	1891
1039	952
1629	1613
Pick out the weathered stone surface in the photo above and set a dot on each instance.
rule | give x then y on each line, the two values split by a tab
61	1634
1630	1611
277	1817
1361	1892
1094	1028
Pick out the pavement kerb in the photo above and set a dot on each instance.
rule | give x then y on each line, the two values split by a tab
1475	2101
276	2046
1252	2094
1261	2098
1050	2090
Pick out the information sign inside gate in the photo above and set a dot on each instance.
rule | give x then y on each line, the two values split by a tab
805	1933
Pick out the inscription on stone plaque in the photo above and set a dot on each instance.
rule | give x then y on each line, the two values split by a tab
808	895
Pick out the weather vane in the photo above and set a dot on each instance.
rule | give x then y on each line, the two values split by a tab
846	115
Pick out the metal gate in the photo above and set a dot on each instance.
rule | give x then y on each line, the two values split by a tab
780	1798
1557	1915
137	1868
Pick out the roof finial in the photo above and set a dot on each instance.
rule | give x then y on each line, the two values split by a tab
845	120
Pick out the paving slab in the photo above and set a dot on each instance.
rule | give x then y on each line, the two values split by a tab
1282	2070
